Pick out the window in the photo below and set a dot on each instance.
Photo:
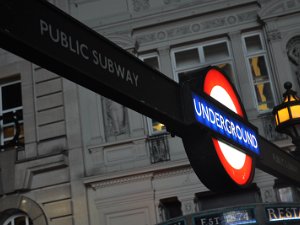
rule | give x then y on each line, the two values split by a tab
155	127
216	53
259	71
170	208
11	111
19	219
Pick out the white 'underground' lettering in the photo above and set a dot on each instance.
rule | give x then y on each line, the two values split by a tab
215	118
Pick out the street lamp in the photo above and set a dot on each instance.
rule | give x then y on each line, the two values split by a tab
287	116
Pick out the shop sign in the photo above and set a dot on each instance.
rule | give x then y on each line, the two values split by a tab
177	222
275	214
212	219
239	216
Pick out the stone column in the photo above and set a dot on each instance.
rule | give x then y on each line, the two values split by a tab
241	76
278	57
187	205
165	61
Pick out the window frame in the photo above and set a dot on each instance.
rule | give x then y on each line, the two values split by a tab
11	220
4	83
263	52
203	62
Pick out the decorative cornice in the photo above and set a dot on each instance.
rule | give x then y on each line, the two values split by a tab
194	28
120	180
123	40
171	173
160	174
140	5
279	8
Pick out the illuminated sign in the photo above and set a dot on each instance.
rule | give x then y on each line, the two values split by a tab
222	155
235	217
276	214
212	219
217	120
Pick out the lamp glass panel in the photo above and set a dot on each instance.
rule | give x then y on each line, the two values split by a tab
290	98
295	111
276	119
283	115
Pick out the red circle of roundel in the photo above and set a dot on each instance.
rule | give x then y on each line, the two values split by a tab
240	176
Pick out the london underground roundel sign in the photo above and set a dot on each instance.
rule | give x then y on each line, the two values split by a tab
215	154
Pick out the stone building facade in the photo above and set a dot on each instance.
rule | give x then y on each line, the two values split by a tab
83	159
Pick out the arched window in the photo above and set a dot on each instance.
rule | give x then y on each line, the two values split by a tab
19	219
15	217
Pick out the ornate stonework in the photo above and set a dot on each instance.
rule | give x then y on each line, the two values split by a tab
168	2
279	7
122	39
138	177
274	35
140	5
115	118
170	173
293	51
204	26
120	180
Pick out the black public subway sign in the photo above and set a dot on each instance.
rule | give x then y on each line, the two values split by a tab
64	40
56	41
45	35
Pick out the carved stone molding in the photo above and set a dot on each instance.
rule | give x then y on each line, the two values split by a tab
194	28
274	35
120	180
174	172
278	8
124	40
293	52
115	119
138	177
188	207
169	2
140	5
